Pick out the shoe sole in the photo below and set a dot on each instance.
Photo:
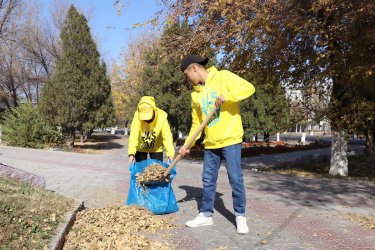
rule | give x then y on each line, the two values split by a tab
200	225
243	232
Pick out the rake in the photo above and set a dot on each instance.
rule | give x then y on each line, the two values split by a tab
163	177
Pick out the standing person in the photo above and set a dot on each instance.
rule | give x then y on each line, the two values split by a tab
149	132
223	134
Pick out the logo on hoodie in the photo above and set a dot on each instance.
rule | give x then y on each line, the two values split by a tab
148	140
207	106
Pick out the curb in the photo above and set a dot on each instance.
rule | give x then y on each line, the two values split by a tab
20	175
58	241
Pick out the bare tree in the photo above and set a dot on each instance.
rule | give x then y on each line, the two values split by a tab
11	73
7	12
29	47
28	51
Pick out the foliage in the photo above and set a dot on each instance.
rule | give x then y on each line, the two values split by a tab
324	49
149	69
163	79
169	88
29	216
105	115
29	46
78	93
126	77
302	42
266	112
24	126
321	48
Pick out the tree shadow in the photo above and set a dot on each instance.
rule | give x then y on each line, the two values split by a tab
319	193
102	146
101	142
195	193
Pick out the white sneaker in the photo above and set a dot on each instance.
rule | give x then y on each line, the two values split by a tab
200	220
242	227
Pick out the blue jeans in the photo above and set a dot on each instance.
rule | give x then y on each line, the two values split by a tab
212	161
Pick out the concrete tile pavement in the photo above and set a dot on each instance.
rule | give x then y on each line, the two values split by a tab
284	212
98	180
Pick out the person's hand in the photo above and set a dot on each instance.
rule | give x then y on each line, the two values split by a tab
131	159
219	100
184	151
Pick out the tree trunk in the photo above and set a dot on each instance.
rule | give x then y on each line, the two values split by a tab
89	134
339	154
266	137
82	136
370	150
70	141
126	128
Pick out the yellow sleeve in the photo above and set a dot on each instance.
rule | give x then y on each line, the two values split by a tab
196	118
134	133
167	139
237	88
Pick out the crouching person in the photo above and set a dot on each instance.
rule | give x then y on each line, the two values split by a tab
150	133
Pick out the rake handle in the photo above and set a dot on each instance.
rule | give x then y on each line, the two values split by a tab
196	133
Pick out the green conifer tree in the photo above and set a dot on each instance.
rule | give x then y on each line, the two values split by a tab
163	79
79	87
267	112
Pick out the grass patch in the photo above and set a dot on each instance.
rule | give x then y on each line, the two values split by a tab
29	216
359	168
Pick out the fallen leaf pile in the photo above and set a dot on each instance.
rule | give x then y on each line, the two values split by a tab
116	228
365	220
152	173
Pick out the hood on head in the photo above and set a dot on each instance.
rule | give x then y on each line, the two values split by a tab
146	108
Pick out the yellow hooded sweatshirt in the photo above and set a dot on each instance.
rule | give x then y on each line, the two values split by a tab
225	127
150	137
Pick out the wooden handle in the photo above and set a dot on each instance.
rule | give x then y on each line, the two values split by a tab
178	157
196	133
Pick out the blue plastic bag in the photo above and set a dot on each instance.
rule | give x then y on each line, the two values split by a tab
157	198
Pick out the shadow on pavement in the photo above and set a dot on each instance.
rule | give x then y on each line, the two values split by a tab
102	142
102	146
195	193
315	192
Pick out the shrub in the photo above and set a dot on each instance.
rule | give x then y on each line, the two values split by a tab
24	126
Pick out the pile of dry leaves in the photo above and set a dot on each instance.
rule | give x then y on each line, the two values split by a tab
152	173
116	228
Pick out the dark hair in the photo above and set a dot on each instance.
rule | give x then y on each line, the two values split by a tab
193	59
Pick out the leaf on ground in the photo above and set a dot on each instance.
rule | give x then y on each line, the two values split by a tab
117	228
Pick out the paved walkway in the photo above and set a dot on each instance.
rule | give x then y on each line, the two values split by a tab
284	212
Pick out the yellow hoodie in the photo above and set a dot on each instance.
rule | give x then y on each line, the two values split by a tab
225	127
150	137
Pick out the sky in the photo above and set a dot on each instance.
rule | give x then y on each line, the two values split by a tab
111	31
